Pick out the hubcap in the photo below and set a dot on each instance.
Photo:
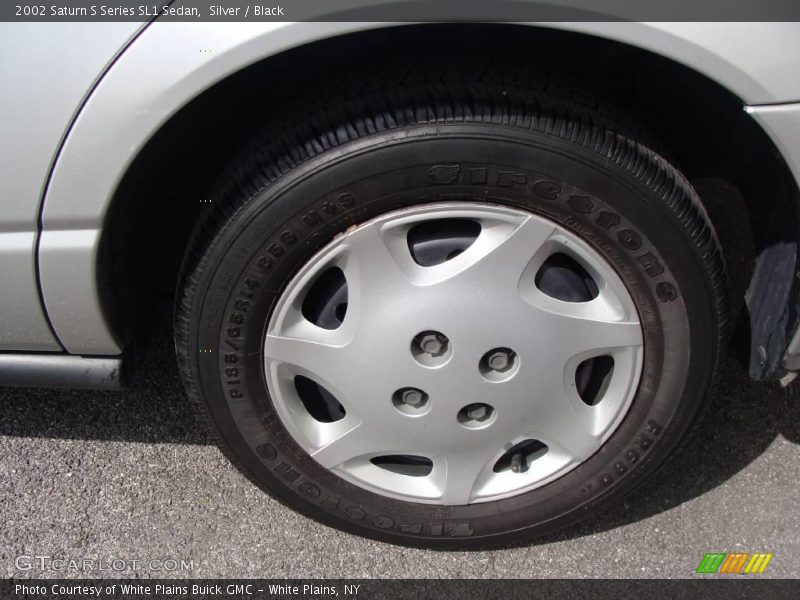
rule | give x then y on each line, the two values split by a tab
453	353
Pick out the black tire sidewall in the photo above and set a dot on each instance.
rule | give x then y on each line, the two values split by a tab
268	239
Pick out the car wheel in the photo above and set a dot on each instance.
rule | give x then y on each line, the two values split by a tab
452	317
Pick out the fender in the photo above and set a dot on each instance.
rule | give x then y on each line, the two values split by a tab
169	64
38	105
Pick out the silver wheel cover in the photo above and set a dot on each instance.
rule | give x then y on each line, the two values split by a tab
482	299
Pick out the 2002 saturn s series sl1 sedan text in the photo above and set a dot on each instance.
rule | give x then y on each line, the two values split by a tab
438	284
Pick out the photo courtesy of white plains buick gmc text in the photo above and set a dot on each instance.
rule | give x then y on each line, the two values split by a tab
447	285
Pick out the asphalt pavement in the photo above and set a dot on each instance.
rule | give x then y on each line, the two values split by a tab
131	476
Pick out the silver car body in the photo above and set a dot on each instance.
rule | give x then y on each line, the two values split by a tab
81	100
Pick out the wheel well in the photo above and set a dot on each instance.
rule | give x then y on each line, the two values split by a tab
702	126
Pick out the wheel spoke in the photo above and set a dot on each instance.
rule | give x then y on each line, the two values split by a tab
313	358
376	268
503	250
463	472
563	426
585	327
595	337
355	442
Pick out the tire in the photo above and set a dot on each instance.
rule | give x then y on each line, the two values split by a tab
528	147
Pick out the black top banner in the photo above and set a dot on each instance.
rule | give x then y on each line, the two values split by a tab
400	10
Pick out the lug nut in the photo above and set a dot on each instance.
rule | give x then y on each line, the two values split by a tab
476	416
432	343
500	360
478	412
412	397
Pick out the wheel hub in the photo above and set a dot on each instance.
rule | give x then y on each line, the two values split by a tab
464	349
